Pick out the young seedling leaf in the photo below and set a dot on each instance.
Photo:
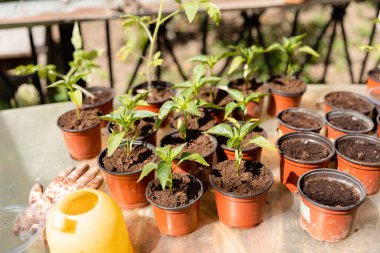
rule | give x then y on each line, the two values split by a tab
222	129
76	38
214	12
247	128
191	9
165	109
76	97
309	50
59	83
193	157
230	107
176	151
163	173
148	168
140	114
262	142
200	59
114	141
198	72
192	108
236	94
236	62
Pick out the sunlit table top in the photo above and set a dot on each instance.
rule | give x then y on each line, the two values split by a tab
32	150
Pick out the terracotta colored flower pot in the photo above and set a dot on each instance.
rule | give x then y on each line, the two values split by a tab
373	80
193	168
285	128
291	169
334	132
280	101
83	144
179	220
124	188
329	107
248	153
105	106
378	125
326	223
367	173
241	211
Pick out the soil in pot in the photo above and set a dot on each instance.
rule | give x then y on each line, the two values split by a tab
144	127
119	162
349	123
360	150
248	87
203	123
348	101
287	85
100	96
300	119
185	190
253	177
88	118
329	192
158	92
304	150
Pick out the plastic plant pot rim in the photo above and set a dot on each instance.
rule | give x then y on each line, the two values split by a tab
351	94
357	136
303	110
243	196
154	83
359	115
370	92
179	208
99	88
241	81
355	182
371	74
312	137
24	247
140	138
264	134
103	153
284	93
213	139
77	131
378	119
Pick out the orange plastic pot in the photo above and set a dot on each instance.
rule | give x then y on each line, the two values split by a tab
83	144
177	221
334	132
104	107
291	169
285	128
241	211
378	125
329	106
280	101
124	188
367	173
372	80
326	223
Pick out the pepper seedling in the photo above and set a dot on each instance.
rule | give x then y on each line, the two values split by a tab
235	134
164	170
126	116
154	59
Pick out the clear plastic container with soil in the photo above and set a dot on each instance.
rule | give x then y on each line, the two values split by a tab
299	120
329	200
202	123
348	101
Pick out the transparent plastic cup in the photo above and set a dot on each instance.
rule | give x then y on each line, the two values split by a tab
26	240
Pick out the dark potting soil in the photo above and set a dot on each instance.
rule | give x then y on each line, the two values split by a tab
300	119
99	97
143	127
185	190
344	100
329	192
253	177
248	87
360	150
304	150
247	138
196	142
287	85
119	162
220	97
87	119
157	94
348	122
203	123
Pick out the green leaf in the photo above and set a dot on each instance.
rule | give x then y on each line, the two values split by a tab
236	62
176	151
165	109
183	85
59	83
140	114
199	58
148	168
114	141
309	50
255	97
247	128
214	12
236	94
163	153
76	38
76	97
157	61
193	157
222	129
192	108
191	9
262	142
198	72
164	171
230	107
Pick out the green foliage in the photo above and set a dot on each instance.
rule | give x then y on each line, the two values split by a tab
167	156
125	116
235	134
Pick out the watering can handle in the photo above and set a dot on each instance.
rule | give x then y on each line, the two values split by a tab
63	223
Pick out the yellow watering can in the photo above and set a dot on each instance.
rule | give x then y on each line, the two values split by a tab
87	221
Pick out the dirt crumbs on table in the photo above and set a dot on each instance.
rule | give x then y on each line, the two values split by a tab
348	122
290	86
196	142
87	119
360	150
99	97
119	162
185	190
303	149
300	119
329	192
348	101
253	177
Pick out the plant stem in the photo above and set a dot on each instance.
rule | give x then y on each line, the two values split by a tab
77	111
186	115
83	90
